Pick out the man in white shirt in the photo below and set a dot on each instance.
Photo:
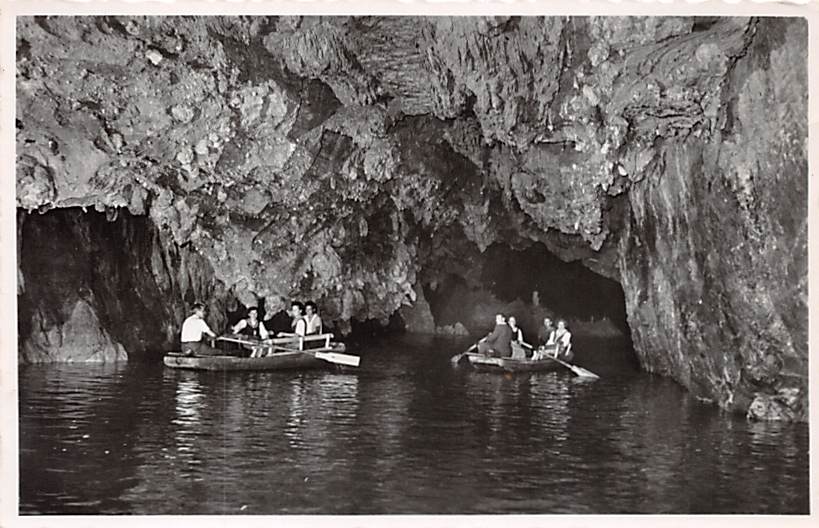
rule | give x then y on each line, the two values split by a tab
193	329
298	325
312	319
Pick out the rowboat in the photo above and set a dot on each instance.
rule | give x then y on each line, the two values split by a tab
519	362
281	354
505	364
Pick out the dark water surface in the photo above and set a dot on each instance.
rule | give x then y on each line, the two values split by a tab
404	433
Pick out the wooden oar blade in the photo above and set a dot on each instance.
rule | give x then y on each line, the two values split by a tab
583	373
457	358
340	359
579	371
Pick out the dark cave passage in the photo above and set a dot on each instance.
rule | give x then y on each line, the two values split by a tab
88	280
568	288
529	284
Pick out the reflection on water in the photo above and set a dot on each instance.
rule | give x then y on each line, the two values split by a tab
295	415
189	406
405	433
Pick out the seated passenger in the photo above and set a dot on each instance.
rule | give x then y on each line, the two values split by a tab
517	333
312	319
518	344
298	325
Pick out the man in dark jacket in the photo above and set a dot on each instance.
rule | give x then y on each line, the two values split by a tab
545	335
499	342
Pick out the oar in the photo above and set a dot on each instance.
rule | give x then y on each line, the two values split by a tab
330	357
580	371
227	353
340	359
457	357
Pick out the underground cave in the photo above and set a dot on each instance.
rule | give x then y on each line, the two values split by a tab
644	178
294	158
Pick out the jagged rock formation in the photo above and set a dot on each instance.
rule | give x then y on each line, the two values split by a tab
96	288
351	159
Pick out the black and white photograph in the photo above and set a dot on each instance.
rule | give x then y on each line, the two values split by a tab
506	263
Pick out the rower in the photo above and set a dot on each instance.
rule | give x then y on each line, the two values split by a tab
546	337
499	342
545	334
563	338
193	328
253	328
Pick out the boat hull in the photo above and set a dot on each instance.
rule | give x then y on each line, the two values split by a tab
278	361
496	364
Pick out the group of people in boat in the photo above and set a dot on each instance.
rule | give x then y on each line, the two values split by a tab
506	340
305	322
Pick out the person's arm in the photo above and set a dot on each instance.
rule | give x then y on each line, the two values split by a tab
263	333
320	325
301	327
521	340
206	329
551	343
567	341
492	338
238	327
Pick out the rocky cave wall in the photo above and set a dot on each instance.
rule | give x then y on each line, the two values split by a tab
103	286
355	159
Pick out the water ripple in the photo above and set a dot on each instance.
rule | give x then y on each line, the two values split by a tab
405	433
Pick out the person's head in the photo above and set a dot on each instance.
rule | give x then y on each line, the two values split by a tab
547	322
513	322
561	324
199	309
500	319
296	309
310	308
253	313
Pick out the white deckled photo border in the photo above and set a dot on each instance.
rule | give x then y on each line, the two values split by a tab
9	458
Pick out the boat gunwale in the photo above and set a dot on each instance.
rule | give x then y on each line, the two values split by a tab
509	364
281	359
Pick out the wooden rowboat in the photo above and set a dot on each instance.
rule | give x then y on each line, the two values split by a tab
519	362
497	364
282	354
